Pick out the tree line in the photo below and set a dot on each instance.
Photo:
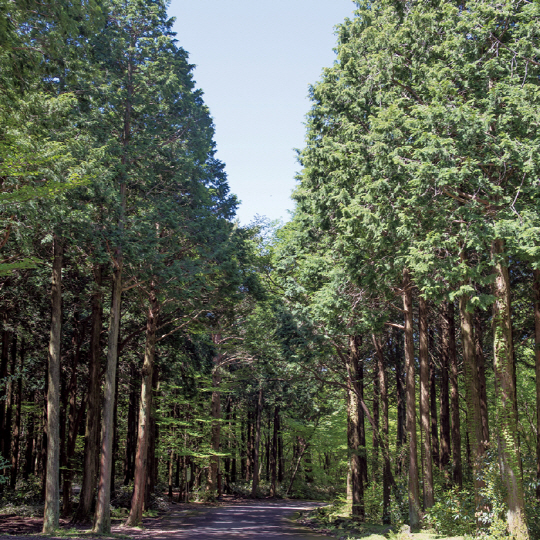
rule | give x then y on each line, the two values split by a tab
383	345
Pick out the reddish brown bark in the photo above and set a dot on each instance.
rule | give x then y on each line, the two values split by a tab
429	498
102	518
91	435
141	459
444	414
414	487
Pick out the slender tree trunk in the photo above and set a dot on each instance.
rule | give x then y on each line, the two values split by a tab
503	360
102	518
17	424
274	454
153	439
355	418
243	449
536	292
51	515
429	498
401	413
131	436
91	434
481	366
474	416
170	467
10	395
114	451
444	459
450	339
235	449
383	393
31	446
249	445
414	488
281	464
300	454
376	420
141	459
4	365
433	405
256	451
212	485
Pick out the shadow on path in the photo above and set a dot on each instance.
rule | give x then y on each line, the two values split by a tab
241	521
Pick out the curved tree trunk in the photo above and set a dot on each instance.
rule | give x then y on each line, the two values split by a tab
52	488
141	459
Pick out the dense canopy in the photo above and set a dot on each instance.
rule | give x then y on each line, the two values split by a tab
381	350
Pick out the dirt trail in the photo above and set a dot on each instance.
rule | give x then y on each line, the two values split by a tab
241	520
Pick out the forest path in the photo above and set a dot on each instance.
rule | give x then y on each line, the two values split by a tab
240	520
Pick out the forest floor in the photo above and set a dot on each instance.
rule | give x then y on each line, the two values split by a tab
239	519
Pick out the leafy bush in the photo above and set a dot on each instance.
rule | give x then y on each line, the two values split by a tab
453	513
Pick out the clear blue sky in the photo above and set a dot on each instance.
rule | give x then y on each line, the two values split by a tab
255	60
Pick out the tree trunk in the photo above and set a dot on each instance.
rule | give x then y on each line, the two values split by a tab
429	498
131	436
153	434
17	424
281	464
383	393
51	514
444	458
249	445
433	405
256	450
536	292
212	484
4	365
10	395
481	366
450	339
414	488
91	434
401	412
376	420
503	360
355	418
141	459
102	519
274	454
301	451
474	417
235	449
31	446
